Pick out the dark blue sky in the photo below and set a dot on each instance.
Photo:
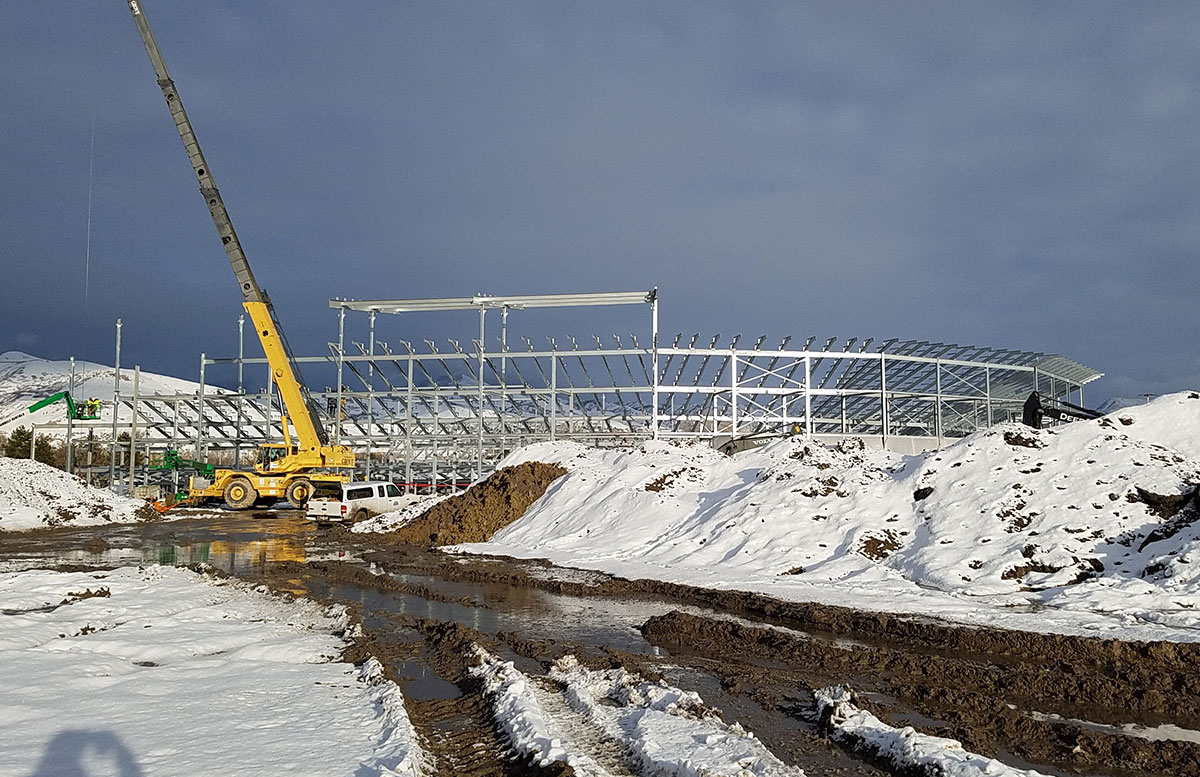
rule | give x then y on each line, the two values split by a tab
1019	175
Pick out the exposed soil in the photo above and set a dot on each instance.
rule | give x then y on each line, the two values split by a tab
984	704
1000	693
482	510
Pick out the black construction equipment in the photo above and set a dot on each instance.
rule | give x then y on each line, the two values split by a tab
1036	408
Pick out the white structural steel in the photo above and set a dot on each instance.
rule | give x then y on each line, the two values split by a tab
439	415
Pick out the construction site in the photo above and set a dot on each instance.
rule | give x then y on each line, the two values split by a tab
504	550
419	414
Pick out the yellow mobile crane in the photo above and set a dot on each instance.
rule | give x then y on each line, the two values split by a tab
282	470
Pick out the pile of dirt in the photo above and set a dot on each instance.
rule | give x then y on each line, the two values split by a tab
484	509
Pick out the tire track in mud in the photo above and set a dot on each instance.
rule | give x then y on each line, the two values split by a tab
457	729
461	733
986	706
784	719
582	735
916	633
961	691
986	687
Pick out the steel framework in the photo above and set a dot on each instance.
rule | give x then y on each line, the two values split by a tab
447	413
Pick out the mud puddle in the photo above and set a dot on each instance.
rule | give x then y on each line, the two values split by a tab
233	543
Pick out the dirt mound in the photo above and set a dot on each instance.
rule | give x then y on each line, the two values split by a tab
484	509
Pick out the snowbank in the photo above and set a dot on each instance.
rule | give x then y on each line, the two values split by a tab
385	522
34	495
904	749
664	730
161	671
1097	517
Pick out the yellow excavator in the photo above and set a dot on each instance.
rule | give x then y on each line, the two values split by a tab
281	471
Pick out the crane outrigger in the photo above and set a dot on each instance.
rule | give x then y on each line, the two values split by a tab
281	471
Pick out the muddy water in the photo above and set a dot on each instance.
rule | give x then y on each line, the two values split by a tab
277	543
1061	705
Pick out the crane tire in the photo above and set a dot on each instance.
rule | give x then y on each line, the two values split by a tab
298	492
239	494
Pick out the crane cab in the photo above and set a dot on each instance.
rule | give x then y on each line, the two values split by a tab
272	457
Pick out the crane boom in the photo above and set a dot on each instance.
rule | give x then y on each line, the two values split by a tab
310	433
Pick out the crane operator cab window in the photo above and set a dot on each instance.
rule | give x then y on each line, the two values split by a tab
270	455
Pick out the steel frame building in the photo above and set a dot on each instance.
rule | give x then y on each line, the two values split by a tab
447	414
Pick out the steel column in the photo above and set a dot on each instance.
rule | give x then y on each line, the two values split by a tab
654	411
237	444
133	419
883	395
808	420
112	447
370	394
408	422
553	396
987	388
200	420
937	412
479	416
70	462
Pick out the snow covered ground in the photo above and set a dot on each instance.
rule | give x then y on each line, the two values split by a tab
34	495
162	671
1088	528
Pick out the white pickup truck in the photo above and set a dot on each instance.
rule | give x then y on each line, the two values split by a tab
352	502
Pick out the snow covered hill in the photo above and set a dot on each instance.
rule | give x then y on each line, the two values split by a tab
1099	516
26	379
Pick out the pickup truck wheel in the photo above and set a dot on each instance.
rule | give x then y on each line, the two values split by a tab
239	494
298	492
359	515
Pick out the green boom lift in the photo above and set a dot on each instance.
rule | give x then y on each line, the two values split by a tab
88	411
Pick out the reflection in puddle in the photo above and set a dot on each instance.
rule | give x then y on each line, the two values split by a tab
236	558
535	613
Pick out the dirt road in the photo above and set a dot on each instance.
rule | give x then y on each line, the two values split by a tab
1062	705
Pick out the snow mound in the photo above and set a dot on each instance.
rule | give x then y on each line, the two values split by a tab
34	495
1102	515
